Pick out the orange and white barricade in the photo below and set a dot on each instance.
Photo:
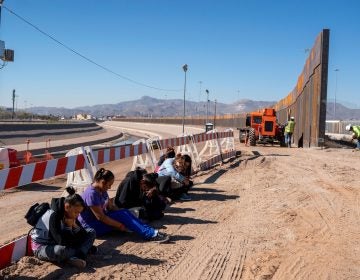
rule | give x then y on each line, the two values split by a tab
212	146
227	143
143	160
190	149
82	178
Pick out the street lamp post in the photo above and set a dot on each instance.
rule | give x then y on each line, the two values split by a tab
1	2
13	104
198	105
215	114
185	68
207	105
336	80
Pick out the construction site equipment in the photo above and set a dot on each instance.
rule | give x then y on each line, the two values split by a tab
262	128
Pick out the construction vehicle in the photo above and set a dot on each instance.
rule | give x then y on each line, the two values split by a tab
262	128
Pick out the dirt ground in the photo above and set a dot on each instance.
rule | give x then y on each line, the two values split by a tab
272	213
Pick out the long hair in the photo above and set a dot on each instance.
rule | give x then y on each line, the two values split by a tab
103	174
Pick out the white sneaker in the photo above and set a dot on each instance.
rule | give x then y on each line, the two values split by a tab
160	237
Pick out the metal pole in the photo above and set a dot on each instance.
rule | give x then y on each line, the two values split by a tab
207	105
1	2
215	114
13	101
185	68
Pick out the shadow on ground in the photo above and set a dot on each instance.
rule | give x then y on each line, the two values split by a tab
39	187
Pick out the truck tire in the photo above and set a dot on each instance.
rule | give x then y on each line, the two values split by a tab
252	137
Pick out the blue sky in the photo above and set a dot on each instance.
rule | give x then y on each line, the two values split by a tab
238	49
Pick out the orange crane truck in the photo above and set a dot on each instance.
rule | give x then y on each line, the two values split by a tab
262	128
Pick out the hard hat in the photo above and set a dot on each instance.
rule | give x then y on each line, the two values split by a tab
348	127
292	118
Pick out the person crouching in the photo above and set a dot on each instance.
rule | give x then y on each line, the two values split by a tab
59	237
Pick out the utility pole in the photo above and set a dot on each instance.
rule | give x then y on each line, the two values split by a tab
215	114
207	105
13	103
185	68
1	2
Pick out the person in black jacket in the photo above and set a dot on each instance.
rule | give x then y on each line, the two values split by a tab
139	189
59	237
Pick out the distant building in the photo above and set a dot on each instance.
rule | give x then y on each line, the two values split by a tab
81	117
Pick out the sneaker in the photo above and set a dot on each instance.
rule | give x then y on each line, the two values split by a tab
93	250
79	263
185	197
160	238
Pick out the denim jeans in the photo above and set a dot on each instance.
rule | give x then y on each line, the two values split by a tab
125	217
288	137
60	253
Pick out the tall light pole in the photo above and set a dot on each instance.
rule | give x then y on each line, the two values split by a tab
215	113
336	80
13	102
1	2
207	105
198	105
185	68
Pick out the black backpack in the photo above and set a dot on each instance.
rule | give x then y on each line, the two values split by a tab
35	212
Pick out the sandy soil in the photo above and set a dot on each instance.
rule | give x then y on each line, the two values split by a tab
272	213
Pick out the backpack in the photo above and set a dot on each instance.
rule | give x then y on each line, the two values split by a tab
35	212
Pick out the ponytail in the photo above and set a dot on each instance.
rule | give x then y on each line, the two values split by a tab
73	198
103	174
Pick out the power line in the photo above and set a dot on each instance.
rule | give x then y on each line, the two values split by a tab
83	56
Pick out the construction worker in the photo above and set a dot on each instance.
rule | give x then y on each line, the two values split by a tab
289	130
356	133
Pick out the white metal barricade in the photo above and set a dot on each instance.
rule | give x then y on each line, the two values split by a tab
191	150
144	160
212	146
82	178
228	143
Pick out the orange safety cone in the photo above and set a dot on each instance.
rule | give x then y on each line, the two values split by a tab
48	155
27	154
28	157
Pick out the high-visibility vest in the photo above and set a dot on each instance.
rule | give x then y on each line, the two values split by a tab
356	130
289	128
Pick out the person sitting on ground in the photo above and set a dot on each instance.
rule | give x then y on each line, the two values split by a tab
170	153
186	167
139	189
356	134
174	167
104	216
59	237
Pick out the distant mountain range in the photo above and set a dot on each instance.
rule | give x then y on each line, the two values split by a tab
148	106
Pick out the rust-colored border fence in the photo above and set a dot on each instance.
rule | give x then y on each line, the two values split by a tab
306	102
